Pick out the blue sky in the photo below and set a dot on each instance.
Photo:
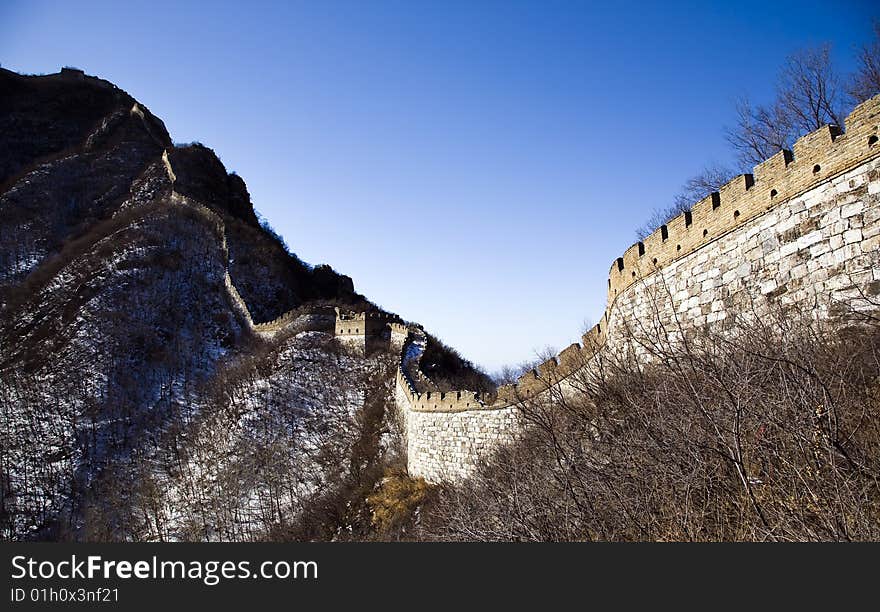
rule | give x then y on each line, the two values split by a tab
474	166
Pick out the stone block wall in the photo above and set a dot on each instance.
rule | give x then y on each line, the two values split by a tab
443	446
819	250
399	334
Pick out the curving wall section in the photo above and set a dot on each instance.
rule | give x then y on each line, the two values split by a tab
802	229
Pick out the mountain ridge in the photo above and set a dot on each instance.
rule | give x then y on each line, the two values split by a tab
122	342
113	118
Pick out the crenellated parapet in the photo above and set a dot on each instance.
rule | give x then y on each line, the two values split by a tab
816	157
448	401
297	315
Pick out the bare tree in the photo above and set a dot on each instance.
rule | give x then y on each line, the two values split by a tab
865	82
809	94
810	91
760	132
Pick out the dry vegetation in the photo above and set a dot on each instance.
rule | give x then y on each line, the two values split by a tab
769	431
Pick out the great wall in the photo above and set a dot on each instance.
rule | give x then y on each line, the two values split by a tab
804	228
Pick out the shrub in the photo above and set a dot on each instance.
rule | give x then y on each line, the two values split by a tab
768	431
394	504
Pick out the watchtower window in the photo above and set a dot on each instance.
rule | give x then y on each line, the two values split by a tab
773	193
705	233
655	261
688	219
641	249
816	169
677	247
872	140
716	200
735	214
620	264
664	232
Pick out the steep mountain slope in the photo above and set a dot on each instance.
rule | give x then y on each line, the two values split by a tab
122	344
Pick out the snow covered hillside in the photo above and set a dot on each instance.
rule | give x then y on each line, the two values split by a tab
136	402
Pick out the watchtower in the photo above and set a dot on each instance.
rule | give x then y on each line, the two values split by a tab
364	330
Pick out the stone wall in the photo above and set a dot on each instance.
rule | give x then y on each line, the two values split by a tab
444	446
815	158
820	250
803	229
399	334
